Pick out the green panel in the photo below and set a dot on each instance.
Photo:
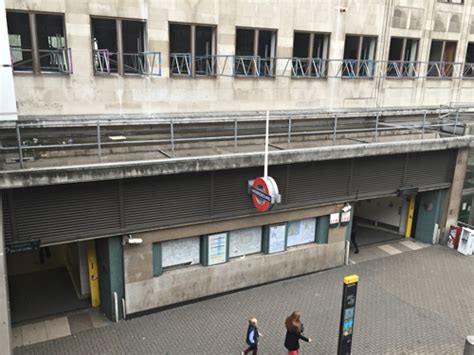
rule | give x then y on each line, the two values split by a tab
429	207
322	230
111	275
349	225
266	234
203	250
157	259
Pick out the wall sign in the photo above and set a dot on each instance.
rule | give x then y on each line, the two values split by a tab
217	248
334	219
346	217
264	191
22	247
275	239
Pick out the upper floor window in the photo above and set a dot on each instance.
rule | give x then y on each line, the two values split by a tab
118	46
310	54
255	51
441	61
359	56
468	70
38	43
192	49
402	58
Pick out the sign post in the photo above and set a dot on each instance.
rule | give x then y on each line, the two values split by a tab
346	326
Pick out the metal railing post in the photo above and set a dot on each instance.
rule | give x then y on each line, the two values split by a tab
20	152
423	125
172	136
99	146
289	130
376	126
456	122
235	133
334	131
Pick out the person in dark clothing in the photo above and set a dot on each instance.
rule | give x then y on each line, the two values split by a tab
294	332
353	237
252	337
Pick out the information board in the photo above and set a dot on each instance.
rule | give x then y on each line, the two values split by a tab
179	252
245	241
276	238
217	248
301	232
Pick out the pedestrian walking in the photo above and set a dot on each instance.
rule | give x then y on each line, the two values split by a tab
252	337
294	332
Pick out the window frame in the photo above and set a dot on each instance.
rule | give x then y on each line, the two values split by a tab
442	62
32	26
358	59
310	58
192	46
403	62
254	56
119	39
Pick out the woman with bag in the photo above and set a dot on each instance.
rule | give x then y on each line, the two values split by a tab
294	332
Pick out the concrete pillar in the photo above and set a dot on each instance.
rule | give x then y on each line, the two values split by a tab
5	330
455	193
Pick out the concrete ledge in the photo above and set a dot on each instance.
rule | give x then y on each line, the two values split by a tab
180	285
96	172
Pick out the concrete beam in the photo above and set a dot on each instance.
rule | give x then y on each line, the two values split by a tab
121	170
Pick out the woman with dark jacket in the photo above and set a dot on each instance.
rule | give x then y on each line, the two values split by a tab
294	332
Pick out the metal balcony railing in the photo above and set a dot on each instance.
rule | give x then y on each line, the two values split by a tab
468	70
50	60
402	69
142	63
353	68
181	64
309	68
444	70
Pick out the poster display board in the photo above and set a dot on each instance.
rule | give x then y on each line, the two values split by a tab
276	241
245	241
334	219
301	232
217	248
180	252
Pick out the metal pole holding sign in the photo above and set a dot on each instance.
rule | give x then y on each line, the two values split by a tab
346	326
265	167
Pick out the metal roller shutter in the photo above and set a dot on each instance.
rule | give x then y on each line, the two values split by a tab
430	169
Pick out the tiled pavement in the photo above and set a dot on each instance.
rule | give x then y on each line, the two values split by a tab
58	327
413	302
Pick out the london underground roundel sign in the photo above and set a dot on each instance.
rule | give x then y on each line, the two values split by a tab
264	192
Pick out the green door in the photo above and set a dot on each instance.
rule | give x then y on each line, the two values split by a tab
429	207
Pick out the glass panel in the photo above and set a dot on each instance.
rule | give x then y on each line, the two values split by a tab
19	36
51	42
104	32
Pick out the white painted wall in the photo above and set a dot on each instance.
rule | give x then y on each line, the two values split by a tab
7	89
388	210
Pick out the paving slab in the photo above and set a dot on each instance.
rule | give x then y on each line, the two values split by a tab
417	302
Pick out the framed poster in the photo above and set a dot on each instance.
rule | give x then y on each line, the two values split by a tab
301	232
245	241
334	219
275	238
180	252
217	248
346	217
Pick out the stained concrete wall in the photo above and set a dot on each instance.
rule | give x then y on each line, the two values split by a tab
143	291
84	93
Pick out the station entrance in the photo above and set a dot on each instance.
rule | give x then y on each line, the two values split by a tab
392	218
48	281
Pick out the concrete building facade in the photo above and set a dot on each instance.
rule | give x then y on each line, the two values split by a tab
130	170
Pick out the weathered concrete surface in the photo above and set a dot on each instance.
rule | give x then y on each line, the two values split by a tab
455	192
97	172
192	282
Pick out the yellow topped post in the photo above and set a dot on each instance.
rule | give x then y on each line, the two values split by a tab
352	279
93	273
411	214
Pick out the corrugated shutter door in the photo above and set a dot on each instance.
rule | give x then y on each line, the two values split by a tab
430	169
377	175
66	212
312	183
7	226
165	200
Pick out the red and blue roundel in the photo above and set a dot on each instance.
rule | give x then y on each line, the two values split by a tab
264	193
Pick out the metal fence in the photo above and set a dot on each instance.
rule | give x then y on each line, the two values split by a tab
167	134
49	60
142	63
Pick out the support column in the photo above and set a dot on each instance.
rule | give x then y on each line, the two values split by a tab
5	330
455	193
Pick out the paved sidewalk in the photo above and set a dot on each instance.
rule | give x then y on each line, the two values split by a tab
418	301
